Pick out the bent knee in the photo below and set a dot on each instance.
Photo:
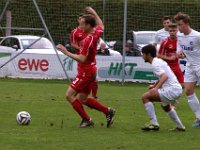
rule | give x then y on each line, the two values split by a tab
189	92
144	98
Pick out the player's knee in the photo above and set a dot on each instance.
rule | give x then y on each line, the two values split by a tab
68	97
144	98
166	108
189	92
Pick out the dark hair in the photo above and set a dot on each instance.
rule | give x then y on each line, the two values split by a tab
149	49
172	25
181	16
166	18
90	19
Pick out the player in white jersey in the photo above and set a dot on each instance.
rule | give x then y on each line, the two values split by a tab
166	90
189	46
162	33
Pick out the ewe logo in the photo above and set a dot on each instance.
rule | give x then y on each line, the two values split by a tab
27	64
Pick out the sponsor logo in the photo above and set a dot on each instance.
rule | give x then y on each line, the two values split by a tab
131	72
27	64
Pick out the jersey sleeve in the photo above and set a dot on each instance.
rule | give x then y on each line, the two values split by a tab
86	45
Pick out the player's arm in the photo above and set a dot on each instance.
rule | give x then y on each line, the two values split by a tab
78	58
179	51
75	46
98	19
163	78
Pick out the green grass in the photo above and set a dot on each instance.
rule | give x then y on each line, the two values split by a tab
45	101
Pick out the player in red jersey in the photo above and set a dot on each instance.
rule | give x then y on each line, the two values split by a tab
80	87
76	39
168	52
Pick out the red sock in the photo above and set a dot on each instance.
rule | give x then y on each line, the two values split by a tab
78	106
93	103
94	88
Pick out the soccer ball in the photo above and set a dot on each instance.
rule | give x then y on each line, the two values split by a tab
23	118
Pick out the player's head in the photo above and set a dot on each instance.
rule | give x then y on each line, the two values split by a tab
88	22
172	30
182	21
148	52
166	20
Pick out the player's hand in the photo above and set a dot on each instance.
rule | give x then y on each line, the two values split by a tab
151	87
174	57
61	48
90	10
153	91
180	54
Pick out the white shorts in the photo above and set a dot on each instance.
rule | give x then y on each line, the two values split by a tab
192	74
170	95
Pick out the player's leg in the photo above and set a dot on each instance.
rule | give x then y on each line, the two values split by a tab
95	89
72	96
174	117
86	122
147	99
95	104
190	84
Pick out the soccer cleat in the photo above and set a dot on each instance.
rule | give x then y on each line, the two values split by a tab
110	117
86	123
177	129
196	123
150	127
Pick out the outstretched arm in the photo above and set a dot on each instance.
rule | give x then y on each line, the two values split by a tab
78	58
93	12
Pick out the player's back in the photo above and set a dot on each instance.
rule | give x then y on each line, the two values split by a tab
159	67
190	44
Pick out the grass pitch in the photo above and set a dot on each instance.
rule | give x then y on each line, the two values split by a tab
54	124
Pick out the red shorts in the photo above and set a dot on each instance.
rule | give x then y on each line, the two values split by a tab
178	73
82	83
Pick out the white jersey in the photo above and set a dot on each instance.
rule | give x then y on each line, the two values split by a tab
161	35
190	45
160	67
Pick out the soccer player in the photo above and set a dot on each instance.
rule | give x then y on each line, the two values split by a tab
189	46
162	33
166	90
80	87
168	52
76	38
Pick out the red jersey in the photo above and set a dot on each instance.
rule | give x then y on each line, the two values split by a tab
77	35
168	48
89	48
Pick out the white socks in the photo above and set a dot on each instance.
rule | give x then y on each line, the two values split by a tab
173	115
194	104
151	112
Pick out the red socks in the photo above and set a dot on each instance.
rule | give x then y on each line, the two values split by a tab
94	88
93	103
78	106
